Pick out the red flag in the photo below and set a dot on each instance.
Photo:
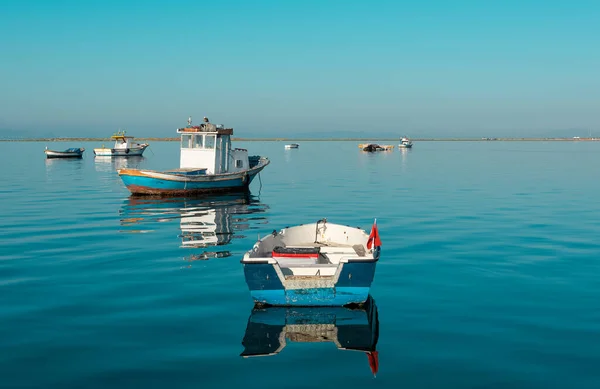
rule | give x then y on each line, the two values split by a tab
374	237
373	362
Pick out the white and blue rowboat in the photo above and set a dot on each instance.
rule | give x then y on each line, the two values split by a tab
124	147
74	152
207	164
270	329
317	264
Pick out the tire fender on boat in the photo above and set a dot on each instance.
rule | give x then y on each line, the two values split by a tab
126	151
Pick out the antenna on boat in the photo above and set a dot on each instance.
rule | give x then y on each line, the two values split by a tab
190	121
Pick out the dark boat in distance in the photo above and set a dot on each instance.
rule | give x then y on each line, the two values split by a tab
371	147
73	152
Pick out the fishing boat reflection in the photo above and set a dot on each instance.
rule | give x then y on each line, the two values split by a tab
269	329
203	222
110	164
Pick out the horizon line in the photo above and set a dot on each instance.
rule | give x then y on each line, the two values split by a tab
296	139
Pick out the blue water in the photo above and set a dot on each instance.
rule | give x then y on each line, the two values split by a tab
489	275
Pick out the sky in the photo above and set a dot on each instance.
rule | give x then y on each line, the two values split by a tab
280	68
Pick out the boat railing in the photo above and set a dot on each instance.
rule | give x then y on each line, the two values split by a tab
207	127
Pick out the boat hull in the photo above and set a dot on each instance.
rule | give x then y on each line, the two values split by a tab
131	152
148	182
352	286
63	154
405	146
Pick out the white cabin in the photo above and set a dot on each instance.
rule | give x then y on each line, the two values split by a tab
208	146
123	142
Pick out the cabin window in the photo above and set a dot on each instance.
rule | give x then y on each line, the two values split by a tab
209	142
198	141
239	163
186	141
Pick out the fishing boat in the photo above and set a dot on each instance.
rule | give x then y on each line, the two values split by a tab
317	264
405	143
207	163
292	146
270	329
124	147
375	147
74	152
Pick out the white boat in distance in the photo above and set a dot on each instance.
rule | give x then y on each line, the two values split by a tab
124	147
292	146
405	143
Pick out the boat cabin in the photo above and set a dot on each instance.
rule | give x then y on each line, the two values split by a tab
208	146
123	142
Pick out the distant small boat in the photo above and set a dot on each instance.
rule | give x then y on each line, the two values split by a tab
292	146
73	152
405	143
270	329
317	264
375	147
124	147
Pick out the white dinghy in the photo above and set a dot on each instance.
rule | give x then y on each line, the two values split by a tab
317	264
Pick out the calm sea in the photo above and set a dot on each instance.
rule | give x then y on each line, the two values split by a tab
489	275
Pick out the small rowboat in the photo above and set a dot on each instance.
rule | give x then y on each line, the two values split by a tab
73	152
317	264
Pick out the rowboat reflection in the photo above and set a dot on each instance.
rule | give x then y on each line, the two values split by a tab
269	329
203	222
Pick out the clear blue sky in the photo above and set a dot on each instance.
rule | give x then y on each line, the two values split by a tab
480	67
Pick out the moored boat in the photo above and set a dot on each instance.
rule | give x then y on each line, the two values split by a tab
270	329
74	152
124	147
207	164
405	143
317	264
375	147
292	146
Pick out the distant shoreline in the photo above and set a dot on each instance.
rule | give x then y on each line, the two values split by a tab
362	140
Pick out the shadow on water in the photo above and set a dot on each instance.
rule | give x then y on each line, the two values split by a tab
204	222
270	329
